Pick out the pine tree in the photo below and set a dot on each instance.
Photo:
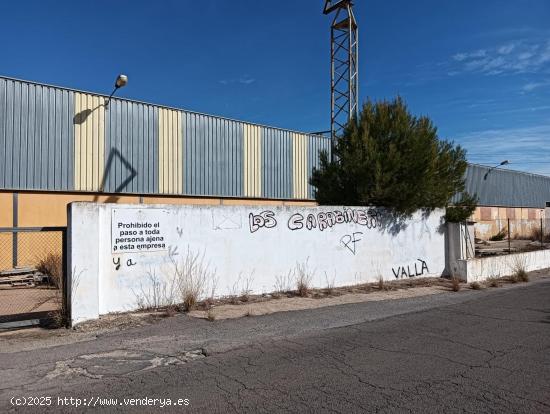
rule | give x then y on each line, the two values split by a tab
391	158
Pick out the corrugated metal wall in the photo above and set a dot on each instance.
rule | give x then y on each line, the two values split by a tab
507	188
131	148
213	155
54	139
36	136
277	164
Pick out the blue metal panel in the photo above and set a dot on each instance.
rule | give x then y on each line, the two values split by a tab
36	136
276	163
212	155
131	148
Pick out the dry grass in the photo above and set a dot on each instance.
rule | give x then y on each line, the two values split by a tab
537	235
455	284
381	283
247	288
210	315
475	286
193	274
520	275
329	290
519	269
304	275
283	283
170	311
493	282
61	316
52	266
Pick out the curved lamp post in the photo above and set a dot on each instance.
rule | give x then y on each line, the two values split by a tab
121	81
496	166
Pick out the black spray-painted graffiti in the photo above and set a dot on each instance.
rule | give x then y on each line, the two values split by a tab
264	219
403	272
349	241
117	264
321	221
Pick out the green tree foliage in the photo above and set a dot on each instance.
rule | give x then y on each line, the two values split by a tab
390	158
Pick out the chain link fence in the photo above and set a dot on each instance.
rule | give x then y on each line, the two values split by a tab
31	272
505	236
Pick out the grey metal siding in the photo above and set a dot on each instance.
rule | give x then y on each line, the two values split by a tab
131	148
507	188
212	154
276	163
36	136
316	144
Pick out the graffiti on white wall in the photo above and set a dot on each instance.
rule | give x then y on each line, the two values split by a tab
138	248
419	268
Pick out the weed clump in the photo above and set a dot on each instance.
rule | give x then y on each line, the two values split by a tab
493	282
475	286
381	283
455	284
210	315
501	235
304	275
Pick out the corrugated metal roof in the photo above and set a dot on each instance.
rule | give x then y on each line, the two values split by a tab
507	188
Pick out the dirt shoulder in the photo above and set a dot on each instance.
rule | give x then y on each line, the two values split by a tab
247	305
286	304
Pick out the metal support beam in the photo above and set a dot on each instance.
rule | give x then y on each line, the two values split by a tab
15	223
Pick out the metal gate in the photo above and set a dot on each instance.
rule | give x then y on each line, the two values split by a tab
32	275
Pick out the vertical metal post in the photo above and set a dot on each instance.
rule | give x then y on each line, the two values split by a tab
64	279
14	240
541	234
332	132
509	241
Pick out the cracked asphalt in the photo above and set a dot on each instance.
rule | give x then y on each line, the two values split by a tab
472	351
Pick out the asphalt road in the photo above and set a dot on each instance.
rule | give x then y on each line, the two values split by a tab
474	351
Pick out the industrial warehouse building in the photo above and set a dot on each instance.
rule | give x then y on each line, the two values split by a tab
59	145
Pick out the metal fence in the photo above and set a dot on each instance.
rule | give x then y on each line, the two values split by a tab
504	236
32	273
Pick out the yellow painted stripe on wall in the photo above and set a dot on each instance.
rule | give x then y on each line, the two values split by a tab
170	152
252	161
299	164
89	132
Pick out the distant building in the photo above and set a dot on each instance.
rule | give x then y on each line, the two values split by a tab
507	195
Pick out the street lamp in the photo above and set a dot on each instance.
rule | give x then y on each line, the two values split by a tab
496	166
120	82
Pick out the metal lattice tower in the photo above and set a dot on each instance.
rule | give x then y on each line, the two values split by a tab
344	59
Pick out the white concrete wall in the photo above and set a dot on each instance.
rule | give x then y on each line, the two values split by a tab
476	270
459	246
246	246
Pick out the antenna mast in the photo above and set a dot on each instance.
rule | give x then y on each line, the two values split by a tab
344	58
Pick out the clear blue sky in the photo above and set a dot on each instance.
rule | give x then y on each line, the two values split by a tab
479	69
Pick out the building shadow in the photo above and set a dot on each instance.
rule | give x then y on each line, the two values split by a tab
113	155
